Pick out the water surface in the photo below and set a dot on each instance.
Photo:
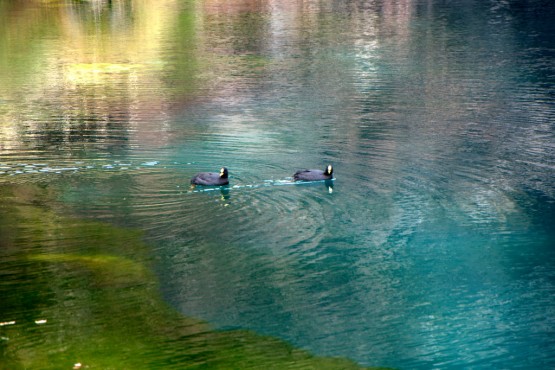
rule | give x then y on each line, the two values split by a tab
434	246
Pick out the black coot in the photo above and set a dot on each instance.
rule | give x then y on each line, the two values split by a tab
211	178
314	175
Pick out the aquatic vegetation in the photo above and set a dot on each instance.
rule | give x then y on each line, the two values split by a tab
79	293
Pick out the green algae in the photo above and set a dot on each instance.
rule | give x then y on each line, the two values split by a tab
81	294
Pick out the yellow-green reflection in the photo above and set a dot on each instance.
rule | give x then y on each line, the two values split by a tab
79	293
72	71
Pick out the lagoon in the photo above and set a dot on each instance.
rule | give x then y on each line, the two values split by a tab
433	248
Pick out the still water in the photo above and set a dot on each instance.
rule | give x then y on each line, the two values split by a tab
433	248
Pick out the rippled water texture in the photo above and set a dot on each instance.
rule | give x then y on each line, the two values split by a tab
434	247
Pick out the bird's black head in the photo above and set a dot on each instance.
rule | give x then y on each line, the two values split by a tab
223	173
329	170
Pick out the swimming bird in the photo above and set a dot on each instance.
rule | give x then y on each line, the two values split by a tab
211	178
314	175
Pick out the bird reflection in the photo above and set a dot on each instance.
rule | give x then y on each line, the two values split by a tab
329	185
224	191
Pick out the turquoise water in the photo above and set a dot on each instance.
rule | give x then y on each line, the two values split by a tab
433	248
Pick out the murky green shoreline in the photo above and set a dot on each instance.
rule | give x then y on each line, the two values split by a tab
97	305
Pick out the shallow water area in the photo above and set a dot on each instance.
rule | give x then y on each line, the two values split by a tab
432	248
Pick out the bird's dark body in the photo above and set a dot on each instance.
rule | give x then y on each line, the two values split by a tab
211	178
313	175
